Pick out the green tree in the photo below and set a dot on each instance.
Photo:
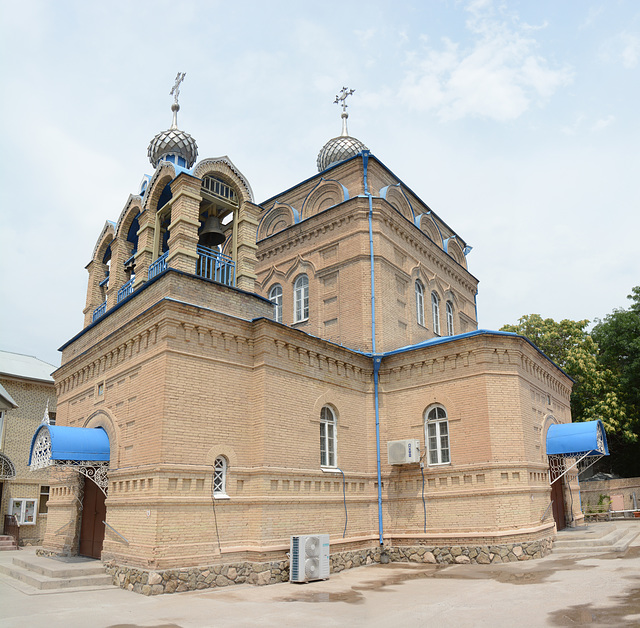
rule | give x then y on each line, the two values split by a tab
618	338
596	393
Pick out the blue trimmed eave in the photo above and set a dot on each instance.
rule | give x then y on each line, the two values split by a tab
470	334
75	443
426	343
359	156
587	438
145	286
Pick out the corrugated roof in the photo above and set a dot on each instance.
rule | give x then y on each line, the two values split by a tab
27	366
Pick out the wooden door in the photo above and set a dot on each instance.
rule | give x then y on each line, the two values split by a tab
94	512
557	499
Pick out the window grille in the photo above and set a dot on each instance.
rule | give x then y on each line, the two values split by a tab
220	476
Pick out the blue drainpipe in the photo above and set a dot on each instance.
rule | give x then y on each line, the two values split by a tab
376	360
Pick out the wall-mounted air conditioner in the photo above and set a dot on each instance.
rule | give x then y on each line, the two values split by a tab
309	558
403	451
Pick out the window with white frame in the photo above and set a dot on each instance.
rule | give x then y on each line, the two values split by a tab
1	427
435	312
449	318
327	437
220	477
436	428
275	296
301	299
419	302
24	510
44	498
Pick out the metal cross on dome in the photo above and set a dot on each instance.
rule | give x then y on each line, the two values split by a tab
342	97
175	90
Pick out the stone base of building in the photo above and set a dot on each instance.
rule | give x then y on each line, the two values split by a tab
157	582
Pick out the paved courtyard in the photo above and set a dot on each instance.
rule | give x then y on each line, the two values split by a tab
558	590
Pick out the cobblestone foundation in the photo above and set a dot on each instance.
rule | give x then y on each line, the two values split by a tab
151	582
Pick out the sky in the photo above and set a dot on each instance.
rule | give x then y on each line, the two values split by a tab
516	122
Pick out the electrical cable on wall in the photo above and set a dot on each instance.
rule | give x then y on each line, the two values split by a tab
213	505
344	497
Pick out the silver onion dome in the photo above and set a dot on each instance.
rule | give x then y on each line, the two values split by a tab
174	141
344	146
338	149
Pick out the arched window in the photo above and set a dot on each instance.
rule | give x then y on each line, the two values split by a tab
301	299
435	311
419	302
436	435
327	437
275	296
220	477
449	318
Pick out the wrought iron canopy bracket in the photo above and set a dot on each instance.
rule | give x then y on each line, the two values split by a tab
582	461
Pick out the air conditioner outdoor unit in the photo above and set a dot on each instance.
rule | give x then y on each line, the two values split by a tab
403	451
309	558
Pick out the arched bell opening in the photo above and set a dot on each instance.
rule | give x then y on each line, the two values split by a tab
217	236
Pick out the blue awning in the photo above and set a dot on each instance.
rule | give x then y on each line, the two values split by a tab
75	443
586	438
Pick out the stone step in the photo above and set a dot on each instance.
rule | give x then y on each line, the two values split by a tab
617	541
585	539
42	582
8	545
51	568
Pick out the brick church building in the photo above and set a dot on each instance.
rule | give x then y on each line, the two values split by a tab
247	372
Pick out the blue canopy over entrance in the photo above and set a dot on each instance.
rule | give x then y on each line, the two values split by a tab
70	443
579	439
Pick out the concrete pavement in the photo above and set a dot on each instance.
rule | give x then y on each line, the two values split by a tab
558	590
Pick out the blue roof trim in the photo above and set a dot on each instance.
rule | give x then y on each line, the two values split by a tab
469	334
577	438
76	443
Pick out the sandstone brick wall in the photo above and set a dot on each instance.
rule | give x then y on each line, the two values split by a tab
20	425
331	245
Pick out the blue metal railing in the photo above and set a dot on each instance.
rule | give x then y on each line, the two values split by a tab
159	266
214	265
126	290
99	311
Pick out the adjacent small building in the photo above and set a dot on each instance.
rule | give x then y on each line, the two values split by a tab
27	398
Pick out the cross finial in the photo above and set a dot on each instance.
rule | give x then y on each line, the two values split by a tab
175	90
341	99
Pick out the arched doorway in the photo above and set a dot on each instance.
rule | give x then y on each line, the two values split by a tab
94	513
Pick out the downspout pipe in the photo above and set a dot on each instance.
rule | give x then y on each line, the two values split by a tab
377	360
376	367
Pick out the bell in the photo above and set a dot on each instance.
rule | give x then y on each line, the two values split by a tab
211	234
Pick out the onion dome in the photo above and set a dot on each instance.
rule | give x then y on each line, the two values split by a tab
344	146
174	145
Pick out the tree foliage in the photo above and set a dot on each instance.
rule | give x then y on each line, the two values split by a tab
596	393
618	339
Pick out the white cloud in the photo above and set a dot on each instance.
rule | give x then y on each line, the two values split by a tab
624	48
498	77
603	123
